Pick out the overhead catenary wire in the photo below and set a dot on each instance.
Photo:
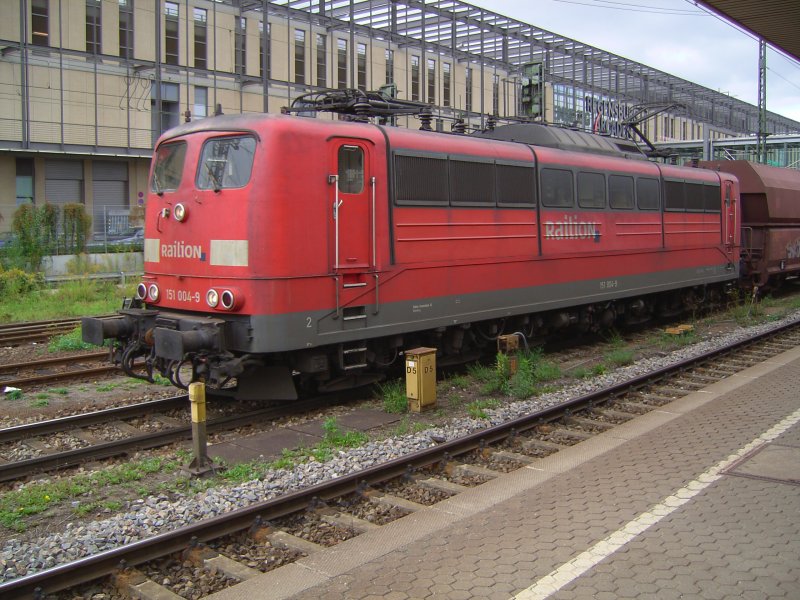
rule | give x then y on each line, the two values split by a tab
642	8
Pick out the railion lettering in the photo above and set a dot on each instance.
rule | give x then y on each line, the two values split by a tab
571	229
181	250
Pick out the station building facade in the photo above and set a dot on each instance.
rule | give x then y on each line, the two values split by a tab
87	86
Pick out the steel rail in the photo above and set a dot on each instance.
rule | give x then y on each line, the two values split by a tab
28	430
49	362
30	324
35	330
44	323
105	563
12	339
62	375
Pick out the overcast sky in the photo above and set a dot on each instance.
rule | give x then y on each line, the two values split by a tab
670	35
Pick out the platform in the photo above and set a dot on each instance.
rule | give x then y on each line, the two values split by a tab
698	499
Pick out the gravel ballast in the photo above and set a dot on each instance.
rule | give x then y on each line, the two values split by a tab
149	516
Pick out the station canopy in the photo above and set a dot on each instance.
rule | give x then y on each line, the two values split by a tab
471	33
776	21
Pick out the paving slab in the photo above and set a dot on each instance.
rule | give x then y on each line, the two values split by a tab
269	444
647	512
366	419
772	461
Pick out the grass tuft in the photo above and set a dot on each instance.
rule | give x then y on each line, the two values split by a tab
69	341
619	357
394	397
477	409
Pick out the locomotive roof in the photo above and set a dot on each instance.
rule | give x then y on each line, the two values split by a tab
533	134
564	139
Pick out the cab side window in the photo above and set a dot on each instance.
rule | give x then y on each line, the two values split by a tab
351	169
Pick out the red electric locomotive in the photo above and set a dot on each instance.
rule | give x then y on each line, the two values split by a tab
286	253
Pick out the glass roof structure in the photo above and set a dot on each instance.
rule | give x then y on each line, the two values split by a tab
473	34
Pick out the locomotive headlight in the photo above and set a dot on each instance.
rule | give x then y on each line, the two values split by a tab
180	213
227	299
212	298
153	292
141	291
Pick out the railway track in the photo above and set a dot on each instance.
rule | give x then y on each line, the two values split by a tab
14	334
168	423
445	469
39	372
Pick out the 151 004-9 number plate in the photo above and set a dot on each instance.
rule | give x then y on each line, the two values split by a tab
183	296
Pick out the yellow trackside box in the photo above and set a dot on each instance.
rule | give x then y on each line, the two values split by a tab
421	378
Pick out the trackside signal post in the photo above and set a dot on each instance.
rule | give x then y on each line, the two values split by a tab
421	378
201	463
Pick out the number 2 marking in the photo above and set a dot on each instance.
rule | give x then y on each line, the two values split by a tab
308	322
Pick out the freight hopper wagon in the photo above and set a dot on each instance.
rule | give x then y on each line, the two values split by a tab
770	220
286	254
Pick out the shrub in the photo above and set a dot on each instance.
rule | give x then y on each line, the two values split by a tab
76	227
35	234
18	282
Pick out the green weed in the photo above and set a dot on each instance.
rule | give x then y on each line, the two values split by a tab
248	471
35	498
599	369
161	380
107	387
581	372
477	409
402	428
394	396
69	341
336	438
460	382
619	357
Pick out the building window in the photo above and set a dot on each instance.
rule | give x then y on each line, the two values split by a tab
446	82
390	66
24	181
200	38
341	70
299	56
468	94
415	77
264	52
40	23
362	67
93	36
241	45
431	81
496	94
322	61
170	108
126	28
200	108
171	33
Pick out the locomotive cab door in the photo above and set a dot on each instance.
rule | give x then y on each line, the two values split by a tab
352	201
